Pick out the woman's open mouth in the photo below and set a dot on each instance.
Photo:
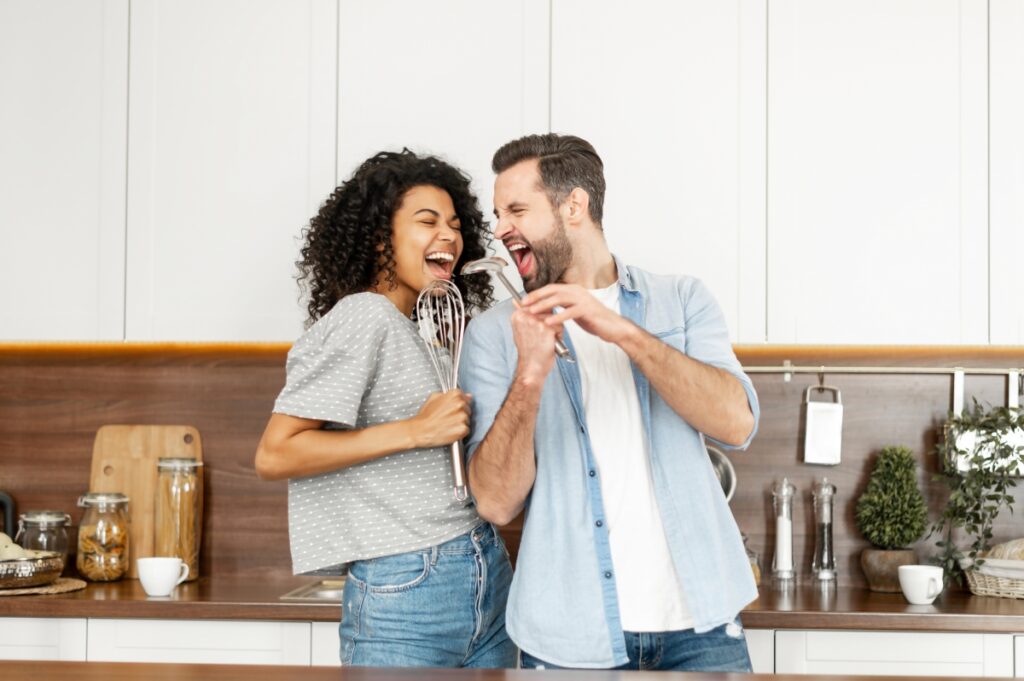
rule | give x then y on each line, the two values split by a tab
440	264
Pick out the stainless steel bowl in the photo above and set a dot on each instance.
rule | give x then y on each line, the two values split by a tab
724	470
42	568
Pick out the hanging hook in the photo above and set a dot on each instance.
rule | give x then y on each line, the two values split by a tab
821	379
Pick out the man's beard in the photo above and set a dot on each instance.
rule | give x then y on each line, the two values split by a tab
551	258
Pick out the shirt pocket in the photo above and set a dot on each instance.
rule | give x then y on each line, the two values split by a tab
674	337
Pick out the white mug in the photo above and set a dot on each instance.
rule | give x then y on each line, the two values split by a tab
920	583
159	576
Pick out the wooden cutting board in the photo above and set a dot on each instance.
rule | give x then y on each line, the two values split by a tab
124	459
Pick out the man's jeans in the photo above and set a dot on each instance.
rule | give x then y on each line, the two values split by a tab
723	649
440	607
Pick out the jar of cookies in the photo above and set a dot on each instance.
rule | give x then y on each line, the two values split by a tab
103	537
179	511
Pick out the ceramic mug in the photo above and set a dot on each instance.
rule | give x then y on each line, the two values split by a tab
159	576
921	584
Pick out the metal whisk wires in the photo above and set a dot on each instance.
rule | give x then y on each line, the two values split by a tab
441	316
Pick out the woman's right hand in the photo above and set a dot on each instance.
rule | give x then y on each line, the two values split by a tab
443	419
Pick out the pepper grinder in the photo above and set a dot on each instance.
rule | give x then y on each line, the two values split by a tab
823	565
782	500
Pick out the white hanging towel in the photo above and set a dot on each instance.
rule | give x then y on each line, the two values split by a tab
823	435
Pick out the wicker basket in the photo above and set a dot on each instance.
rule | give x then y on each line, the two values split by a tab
987	585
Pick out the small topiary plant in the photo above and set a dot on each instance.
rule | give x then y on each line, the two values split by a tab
891	513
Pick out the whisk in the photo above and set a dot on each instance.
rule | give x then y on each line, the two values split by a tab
441	317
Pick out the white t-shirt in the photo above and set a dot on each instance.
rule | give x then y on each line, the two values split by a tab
650	598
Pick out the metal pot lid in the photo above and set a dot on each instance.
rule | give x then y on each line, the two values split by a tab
45	517
177	464
102	498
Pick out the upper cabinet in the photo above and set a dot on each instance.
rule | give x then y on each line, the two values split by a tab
63	75
672	97
877	171
231	150
1006	99
456	79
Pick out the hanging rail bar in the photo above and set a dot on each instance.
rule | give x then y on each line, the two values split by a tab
792	369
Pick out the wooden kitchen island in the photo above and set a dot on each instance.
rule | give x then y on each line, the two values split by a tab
107	671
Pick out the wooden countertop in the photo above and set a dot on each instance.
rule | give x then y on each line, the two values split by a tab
113	671
805	607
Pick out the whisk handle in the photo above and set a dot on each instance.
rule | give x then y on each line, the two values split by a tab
459	471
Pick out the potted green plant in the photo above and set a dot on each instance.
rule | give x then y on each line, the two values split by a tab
982	454
891	515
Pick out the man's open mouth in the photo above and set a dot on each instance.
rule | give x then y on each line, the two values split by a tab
523	256
440	264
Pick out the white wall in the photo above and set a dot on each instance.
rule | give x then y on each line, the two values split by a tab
838	171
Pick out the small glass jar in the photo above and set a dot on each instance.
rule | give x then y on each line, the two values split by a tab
103	536
179	511
755	560
44	531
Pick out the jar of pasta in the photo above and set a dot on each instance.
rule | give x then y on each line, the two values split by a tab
103	536
179	511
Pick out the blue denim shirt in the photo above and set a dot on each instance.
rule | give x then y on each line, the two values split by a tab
563	605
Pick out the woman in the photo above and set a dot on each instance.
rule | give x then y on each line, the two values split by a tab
362	433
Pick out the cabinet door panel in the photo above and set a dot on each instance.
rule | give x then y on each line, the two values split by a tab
877	171
325	650
38	638
672	97
199	641
231	151
1007	170
64	79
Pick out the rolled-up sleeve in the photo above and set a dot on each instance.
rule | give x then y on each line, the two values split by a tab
484	373
707	341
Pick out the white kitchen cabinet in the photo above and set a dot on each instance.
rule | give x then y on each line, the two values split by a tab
64	79
893	653
42	638
199	641
231	145
325	649
1018	657
457	80
1006	177
672	97
761	646
878	171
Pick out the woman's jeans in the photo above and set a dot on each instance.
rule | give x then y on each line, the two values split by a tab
439	607
723	649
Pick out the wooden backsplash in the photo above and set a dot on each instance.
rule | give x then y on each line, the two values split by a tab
53	398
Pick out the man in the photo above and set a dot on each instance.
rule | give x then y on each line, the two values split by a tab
630	557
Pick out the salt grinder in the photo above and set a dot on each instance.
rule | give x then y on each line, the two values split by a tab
823	566
782	501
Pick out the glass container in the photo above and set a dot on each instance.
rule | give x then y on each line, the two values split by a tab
782	502
44	531
103	536
823	565
179	511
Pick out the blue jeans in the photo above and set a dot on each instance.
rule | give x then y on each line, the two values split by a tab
439	607
723	649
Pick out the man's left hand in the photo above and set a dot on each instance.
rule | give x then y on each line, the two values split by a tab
578	305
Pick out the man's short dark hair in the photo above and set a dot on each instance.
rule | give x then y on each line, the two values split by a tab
566	162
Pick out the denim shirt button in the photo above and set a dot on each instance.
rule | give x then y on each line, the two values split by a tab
599	523
608	575
593	473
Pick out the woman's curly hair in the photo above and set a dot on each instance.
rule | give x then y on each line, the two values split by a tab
348	241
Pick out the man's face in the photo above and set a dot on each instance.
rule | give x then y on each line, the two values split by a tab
532	231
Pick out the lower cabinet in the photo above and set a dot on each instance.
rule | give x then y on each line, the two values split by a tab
761	646
893	653
200	641
42	638
325	648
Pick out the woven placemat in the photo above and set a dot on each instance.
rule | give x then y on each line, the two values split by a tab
62	585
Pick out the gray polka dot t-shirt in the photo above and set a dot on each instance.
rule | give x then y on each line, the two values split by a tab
362	364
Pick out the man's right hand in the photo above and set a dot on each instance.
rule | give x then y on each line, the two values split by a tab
443	419
535	342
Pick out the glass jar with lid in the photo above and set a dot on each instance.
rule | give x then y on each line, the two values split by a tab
103	536
179	511
44	531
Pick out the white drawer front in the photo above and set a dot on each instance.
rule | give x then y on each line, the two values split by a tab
201	641
42	638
